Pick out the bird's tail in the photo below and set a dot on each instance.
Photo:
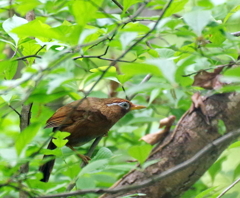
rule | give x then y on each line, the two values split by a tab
46	168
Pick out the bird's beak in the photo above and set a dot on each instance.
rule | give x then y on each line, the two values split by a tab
134	107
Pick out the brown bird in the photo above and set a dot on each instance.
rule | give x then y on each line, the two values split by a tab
85	120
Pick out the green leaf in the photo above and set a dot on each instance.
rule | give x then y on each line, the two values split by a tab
128	3
84	11
140	68
197	20
123	78
7	98
217	35
216	167
56	152
111	73
59	138
39	95
8	68
236	172
86	182
36	28
121	167
221	127
103	153
153	53
149	163
232	12
126	38
140	152
90	34
231	75
167	67
207	4
145	87
72	170
175	7
183	64
206	192
94	166
26	136
12	23
112	69
235	144
29	47
135	27
165	52
154	94
25	6
104	179
66	33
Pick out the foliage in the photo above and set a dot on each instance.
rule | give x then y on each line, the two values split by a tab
79	48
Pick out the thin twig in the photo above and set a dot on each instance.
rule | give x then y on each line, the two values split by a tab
15	110
226	65
99	57
29	56
93	146
40	49
146	78
120	6
103	11
110	39
17	188
229	188
147	34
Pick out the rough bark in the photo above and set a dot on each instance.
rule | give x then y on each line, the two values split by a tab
192	133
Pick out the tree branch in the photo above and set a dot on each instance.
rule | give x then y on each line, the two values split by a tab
211	147
192	134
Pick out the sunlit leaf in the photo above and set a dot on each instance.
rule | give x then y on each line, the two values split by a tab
86	182
11	24
140	68
140	152
126	38
26	136
103	153
128	3
175	7
94	166
197	20
59	138
8	69
206	192
84	11
167	67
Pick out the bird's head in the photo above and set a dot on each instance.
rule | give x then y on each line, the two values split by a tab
116	108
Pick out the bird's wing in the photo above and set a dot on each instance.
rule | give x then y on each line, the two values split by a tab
62	117
66	116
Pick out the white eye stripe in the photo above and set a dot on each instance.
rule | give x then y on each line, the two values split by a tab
124	105
112	104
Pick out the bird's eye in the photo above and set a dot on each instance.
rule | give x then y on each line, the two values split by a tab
124	105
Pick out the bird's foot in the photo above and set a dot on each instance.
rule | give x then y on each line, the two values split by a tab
84	158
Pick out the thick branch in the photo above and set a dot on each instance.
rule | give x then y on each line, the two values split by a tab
191	135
